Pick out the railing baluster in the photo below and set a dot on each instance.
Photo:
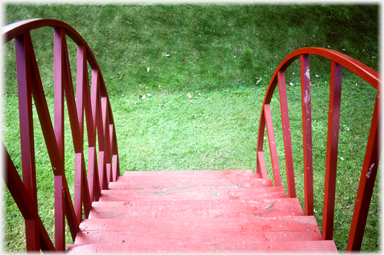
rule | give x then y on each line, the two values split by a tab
107	155
23	200
260	166
263	169
87	201
90	111
78	189
26	135
332	150
59	214
59	80
272	145
286	134
307	133
367	181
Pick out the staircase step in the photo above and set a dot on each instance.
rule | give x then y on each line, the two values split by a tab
193	193
197	211
293	246
124	183
156	176
217	173
168	209
208	230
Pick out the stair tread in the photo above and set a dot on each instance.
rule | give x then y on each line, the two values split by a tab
195	208
293	246
224	173
159	183
188	175
194	193
198	229
197	211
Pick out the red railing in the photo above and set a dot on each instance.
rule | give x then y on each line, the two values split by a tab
92	104
371	160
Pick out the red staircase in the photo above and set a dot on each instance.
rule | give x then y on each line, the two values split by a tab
185	211
197	211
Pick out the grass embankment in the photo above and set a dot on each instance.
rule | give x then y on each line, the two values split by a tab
209	66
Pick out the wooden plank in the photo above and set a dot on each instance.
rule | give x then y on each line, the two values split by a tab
102	173
186	184
192	209
367	181
22	48
266	229
192	173
59	214
187	194
262	167
332	150
87	201
23	200
272	146
78	189
181	246
105	123
307	133
260	144
286	134
115	168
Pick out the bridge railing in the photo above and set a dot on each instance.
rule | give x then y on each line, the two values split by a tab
90	103
372	152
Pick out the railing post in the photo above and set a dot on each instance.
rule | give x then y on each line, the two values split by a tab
26	135
307	133
286	134
332	150
59	214
367	181
272	145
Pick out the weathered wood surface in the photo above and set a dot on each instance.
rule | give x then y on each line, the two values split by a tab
197	211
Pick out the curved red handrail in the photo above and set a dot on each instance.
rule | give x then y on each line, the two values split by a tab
16	29
92	104
370	165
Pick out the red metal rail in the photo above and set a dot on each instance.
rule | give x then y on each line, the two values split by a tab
93	106
371	160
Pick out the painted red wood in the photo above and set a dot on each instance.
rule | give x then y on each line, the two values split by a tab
23	199
78	188
261	165
183	247
59	35
307	133
115	167
59	214
94	103
170	209
332	150
26	135
93	177
81	84
102	171
267	229
286	134
30	85
86	198
272	145
367	181
197	193
192	173
125	182
260	145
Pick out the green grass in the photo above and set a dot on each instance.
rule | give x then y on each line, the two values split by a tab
223	57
